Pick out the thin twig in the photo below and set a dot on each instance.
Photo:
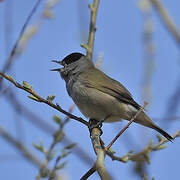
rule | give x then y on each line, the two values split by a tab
13	52
58	136
155	147
167	19
149	50
32	30
89	173
40	123
67	117
122	130
40	99
144	153
92	29
20	147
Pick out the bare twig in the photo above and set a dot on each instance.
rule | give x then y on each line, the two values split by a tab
132	119
8	25
40	99
68	118
148	48
89	173
167	19
58	136
162	141
144	153
13	52
22	149
32	30
92	29
44	165
40	123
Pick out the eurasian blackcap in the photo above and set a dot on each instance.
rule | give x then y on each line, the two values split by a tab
97	95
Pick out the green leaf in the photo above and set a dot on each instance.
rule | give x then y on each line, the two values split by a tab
161	147
33	98
144	176
39	147
45	173
112	151
50	97
90	6
160	138
148	146
70	146
146	158
57	120
84	46
58	136
51	156
26	85
64	154
127	156
61	166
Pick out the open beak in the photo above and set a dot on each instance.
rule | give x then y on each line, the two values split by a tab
58	62
58	69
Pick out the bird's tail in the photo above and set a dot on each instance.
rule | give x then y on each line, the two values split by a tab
146	121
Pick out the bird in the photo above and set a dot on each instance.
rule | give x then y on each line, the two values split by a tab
98	96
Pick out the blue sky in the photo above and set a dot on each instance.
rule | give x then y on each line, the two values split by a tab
119	40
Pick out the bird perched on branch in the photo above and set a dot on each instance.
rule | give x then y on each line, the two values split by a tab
97	95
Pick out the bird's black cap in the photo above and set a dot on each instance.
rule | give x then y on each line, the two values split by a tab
71	58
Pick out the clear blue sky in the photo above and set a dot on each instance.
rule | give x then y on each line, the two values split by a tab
119	38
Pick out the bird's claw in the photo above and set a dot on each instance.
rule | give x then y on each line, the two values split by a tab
93	123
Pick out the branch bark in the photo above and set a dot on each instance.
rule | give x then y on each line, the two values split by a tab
99	164
144	153
92	29
122	130
40	99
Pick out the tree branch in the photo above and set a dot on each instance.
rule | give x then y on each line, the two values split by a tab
38	98
99	164
167	19
58	136
144	154
89	173
22	149
42	125
122	130
92	29
13	52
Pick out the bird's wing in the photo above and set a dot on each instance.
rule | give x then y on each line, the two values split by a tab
98	80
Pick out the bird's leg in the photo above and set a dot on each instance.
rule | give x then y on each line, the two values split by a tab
93	123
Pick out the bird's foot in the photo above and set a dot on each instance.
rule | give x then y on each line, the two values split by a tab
93	123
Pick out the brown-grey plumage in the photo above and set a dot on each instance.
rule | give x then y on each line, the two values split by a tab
97	95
